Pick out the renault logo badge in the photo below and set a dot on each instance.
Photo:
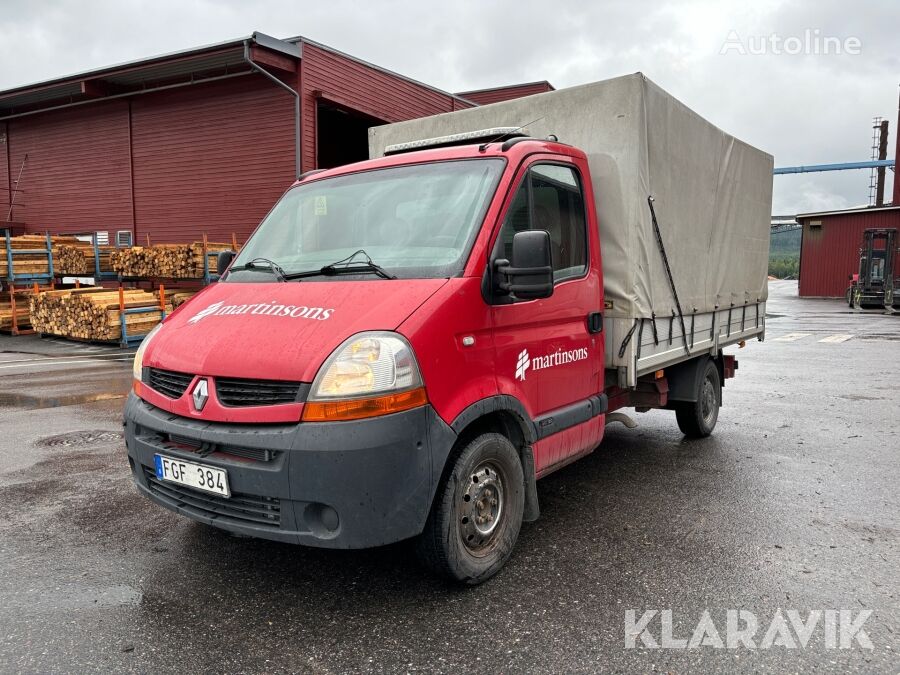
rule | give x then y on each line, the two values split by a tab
200	394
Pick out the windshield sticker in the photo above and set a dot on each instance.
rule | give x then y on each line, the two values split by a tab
321	205
264	309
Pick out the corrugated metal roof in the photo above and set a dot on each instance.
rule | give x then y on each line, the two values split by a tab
536	83
300	40
198	63
219	58
854	209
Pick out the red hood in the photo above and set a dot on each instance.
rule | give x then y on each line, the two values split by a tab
279	331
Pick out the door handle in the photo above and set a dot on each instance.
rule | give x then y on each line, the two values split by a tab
595	322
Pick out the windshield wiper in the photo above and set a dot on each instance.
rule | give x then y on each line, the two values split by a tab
266	265
345	266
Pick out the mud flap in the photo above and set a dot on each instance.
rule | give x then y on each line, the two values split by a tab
532	509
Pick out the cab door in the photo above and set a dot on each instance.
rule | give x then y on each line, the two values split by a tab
550	351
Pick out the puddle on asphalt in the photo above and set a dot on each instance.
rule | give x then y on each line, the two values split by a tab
860	397
77	439
26	402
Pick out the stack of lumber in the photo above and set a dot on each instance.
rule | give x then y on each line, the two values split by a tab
93	313
178	298
175	261
26	263
132	262
23	317
74	257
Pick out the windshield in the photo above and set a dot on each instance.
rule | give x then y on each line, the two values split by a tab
416	221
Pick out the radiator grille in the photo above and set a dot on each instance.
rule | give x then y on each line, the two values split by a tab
239	392
168	382
239	508
206	449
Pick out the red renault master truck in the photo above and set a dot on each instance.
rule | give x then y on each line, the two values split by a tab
405	345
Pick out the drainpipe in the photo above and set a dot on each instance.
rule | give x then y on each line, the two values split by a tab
293	93
896	193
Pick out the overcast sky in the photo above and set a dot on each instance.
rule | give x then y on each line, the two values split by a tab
804	108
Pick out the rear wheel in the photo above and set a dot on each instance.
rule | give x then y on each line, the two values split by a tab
477	514
697	419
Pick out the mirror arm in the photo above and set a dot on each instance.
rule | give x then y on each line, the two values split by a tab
507	274
501	279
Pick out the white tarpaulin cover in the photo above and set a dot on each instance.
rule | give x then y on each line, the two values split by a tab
712	192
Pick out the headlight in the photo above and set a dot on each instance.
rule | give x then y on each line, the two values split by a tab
139	354
368	375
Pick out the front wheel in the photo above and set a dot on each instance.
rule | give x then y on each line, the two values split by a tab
475	521
697	419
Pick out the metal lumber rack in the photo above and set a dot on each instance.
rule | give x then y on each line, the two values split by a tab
12	277
205	279
19	282
98	275
126	340
14	328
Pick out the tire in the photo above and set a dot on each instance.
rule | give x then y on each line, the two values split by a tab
698	419
485	482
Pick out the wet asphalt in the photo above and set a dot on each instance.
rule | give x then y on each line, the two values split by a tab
792	505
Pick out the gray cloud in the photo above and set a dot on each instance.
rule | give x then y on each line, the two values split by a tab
804	109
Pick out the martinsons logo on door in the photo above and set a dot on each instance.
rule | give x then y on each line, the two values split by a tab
557	358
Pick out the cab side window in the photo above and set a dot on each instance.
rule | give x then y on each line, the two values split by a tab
550	198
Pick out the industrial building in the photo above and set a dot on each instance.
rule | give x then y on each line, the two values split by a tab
829	248
199	141
831	240
497	94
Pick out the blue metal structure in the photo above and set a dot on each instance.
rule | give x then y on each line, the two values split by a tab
128	340
14	278
843	166
98	275
207	278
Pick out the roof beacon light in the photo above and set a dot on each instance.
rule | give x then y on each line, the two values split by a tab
468	137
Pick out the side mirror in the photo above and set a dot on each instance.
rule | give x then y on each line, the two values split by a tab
223	260
530	274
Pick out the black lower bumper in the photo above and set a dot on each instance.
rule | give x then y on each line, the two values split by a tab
352	484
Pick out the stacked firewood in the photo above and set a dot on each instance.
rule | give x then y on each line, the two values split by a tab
74	257
23	318
132	262
174	261
24	263
178	298
93	313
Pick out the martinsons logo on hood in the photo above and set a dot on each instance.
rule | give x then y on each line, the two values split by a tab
265	309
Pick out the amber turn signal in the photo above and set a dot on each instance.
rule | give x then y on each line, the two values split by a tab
335	411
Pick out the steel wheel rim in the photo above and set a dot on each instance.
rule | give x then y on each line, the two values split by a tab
708	402
482	505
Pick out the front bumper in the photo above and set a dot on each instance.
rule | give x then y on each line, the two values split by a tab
352	484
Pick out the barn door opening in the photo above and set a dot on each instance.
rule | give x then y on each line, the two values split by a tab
342	135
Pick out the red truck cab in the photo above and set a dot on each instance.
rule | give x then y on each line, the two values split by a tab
400	350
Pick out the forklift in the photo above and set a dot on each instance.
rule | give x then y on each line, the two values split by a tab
874	286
